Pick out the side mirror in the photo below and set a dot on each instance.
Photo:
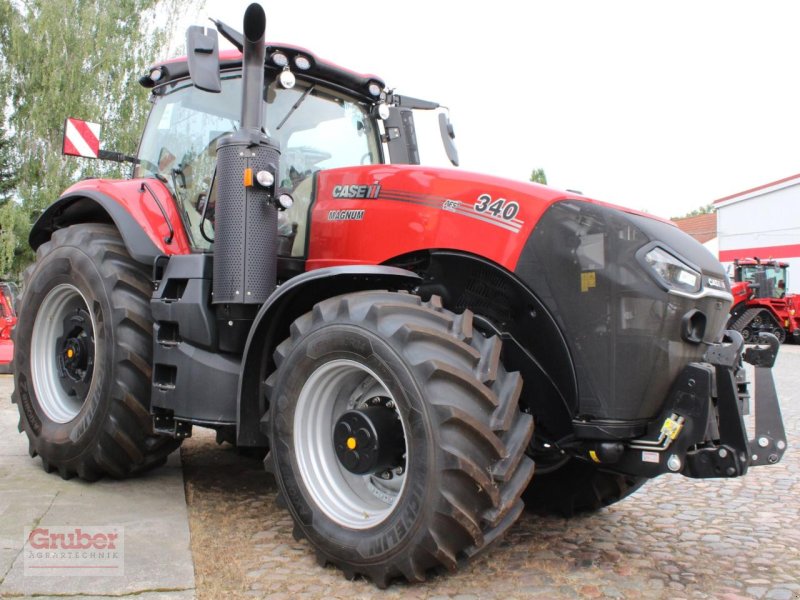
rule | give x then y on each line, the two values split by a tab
448	135
203	54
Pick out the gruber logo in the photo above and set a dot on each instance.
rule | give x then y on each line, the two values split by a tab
78	539
356	191
78	551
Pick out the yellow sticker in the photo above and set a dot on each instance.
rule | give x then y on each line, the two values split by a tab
588	280
671	428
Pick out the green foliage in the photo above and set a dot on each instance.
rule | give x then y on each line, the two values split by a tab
703	210
70	58
8	175
15	253
538	176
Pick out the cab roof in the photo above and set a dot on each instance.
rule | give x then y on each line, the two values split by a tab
764	262
231	60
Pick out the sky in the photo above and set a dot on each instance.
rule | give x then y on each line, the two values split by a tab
658	106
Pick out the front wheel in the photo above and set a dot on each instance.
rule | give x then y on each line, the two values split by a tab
577	487
396	437
83	348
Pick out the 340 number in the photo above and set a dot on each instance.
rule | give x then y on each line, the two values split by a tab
500	208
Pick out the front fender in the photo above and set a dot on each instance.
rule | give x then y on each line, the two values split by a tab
135	212
271	326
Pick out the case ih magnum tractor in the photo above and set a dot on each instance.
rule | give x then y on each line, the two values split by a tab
391	333
760	301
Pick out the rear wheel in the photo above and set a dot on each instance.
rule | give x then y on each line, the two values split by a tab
396	437
578	487
83	349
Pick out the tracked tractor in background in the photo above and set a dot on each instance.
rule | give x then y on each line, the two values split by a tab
8	319
282	270
761	303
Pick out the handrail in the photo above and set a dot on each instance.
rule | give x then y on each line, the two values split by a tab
167	239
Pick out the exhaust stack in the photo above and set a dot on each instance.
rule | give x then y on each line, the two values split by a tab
253	52
245	250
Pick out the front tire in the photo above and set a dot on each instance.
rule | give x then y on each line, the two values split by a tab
450	482
83	351
578	487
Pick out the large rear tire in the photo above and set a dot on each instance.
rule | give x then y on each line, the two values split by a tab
443	406
578	487
83	352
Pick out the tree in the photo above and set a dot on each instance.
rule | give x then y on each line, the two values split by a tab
78	58
703	210
8	176
538	176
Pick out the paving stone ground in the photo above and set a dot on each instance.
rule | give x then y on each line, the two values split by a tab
675	538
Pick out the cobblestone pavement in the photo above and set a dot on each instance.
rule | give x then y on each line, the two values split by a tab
675	538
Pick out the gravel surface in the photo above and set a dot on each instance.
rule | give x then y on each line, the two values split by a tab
675	538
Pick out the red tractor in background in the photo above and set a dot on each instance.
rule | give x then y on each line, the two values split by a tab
760	301
8	319
281	269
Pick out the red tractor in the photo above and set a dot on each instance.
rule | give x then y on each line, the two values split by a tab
760	301
288	275
8	319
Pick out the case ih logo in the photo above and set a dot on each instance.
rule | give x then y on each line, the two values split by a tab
81	138
356	191
78	551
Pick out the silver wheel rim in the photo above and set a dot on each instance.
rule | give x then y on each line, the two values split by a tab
57	404
350	500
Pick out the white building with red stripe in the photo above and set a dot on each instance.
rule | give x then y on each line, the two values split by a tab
763	222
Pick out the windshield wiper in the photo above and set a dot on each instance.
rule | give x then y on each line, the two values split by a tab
294	107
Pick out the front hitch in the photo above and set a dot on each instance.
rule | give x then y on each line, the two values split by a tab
733	453
701	431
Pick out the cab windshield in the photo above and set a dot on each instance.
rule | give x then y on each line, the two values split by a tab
774	280
316	128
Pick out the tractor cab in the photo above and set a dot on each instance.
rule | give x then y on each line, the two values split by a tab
767	279
319	115
316	126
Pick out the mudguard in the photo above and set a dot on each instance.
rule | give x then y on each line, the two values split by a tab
142	210
271	326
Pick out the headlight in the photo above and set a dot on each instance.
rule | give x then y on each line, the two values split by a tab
674	272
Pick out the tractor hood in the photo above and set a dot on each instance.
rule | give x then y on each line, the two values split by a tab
456	209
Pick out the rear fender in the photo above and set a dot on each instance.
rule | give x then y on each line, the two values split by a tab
144	219
271	326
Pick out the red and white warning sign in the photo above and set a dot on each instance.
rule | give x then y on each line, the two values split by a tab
81	138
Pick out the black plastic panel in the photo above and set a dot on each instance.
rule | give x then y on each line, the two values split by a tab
183	300
195	384
624	331
192	379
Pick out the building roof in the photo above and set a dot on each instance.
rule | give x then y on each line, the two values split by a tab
792	179
701	227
